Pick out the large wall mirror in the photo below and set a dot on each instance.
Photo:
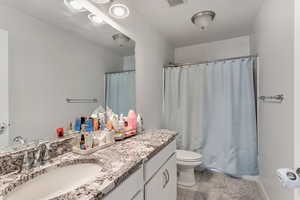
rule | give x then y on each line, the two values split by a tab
56	66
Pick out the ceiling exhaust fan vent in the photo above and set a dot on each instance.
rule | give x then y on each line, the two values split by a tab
174	3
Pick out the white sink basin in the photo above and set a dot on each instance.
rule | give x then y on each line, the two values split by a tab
55	182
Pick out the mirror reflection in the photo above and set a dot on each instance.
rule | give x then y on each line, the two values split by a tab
120	91
57	67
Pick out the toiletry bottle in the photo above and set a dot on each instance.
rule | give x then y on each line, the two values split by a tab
109	136
121	123
77	124
82	142
102	121
95	124
82	120
131	122
89	125
115	122
109	125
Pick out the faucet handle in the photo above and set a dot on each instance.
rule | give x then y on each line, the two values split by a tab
43	154
18	161
31	158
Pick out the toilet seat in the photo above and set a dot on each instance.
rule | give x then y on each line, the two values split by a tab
188	156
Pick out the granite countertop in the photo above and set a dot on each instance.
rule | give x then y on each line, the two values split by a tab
117	163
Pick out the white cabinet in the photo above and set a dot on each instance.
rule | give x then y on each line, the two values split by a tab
138	196
163	184
156	162
130	189
155	180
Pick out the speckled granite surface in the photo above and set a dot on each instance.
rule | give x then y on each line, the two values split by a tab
217	186
117	163
9	161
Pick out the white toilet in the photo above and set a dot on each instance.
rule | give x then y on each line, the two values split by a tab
186	163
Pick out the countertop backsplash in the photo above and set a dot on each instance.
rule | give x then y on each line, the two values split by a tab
10	161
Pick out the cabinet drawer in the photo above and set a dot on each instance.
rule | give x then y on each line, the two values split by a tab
152	165
163	185
128	190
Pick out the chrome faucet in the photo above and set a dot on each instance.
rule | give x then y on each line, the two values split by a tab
30	159
43	152
19	140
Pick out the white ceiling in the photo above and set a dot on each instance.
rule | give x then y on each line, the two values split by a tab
234	18
55	12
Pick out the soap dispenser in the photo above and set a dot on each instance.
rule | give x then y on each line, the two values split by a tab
131	121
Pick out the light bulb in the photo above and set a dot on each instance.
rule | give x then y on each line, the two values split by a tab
96	20
119	11
74	5
101	1
203	21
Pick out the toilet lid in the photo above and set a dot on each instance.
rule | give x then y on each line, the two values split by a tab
187	155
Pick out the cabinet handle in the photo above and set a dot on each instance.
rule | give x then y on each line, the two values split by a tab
166	178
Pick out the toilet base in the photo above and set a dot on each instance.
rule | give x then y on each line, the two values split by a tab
186	176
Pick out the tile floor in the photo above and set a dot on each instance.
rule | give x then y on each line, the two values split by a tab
216	186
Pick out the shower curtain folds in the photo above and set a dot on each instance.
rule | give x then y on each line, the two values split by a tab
212	106
120	91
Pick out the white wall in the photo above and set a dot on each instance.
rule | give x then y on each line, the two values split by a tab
4	100
47	65
152	51
234	47
272	40
297	92
128	63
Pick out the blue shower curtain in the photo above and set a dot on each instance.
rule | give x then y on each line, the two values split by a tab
120	92
212	106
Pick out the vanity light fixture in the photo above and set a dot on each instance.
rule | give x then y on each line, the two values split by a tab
96	20
101	1
203	19
121	39
74	6
119	10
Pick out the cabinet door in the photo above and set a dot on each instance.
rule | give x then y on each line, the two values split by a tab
163	185
130	189
138	196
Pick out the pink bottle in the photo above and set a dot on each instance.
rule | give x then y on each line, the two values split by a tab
132	122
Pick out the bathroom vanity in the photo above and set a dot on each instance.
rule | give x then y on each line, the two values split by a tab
141	167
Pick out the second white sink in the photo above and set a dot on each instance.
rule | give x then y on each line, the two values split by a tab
56	182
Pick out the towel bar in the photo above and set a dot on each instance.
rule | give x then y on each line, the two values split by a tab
274	99
68	100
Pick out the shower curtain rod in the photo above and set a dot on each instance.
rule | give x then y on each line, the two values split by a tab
206	62
119	72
